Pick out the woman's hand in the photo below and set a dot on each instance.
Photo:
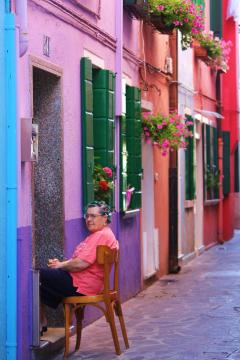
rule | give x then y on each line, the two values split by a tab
73	265
54	264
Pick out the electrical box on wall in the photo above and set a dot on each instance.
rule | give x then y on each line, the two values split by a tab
169	65
29	140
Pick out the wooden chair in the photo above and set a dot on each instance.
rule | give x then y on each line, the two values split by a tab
109	297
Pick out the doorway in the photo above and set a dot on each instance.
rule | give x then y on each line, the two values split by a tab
47	173
149	233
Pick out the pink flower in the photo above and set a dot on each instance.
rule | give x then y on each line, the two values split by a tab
108	171
145	115
165	143
161	7
159	126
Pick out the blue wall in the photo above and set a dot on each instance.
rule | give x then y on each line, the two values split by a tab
2	191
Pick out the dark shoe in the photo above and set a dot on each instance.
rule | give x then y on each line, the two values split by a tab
44	329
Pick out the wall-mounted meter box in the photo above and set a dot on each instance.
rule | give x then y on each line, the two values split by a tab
29	140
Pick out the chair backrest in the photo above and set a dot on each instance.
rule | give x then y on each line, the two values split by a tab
108	258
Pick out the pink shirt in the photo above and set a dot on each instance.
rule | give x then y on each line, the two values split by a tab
90	280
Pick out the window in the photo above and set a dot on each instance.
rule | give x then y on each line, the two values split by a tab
211	170
216	17
130	157
98	114
189	165
236	169
226	162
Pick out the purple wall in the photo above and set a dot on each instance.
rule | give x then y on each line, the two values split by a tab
24	300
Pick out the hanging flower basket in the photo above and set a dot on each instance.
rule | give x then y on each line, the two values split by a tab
183	15
218	50
169	133
199	51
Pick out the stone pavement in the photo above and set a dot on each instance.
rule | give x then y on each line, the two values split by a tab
192	315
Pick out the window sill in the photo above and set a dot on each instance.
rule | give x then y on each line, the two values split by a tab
130	213
211	202
188	204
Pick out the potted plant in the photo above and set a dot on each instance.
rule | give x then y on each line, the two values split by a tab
212	177
167	132
218	50
103	183
180	14
199	51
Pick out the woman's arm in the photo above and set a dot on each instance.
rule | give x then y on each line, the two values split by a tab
73	265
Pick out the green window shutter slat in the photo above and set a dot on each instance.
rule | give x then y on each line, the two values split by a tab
104	119
208	146
216	17
215	157
123	163
189	166
226	162
187	189
131	161
236	169
87	131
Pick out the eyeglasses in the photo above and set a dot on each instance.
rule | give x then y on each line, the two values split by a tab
91	216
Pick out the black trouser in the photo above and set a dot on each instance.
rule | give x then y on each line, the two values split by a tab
55	284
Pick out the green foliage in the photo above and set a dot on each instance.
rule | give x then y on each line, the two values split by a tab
169	133
181	14
103	183
212	177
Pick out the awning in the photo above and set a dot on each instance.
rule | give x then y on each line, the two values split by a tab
209	113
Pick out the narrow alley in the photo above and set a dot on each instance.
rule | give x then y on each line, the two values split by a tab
192	315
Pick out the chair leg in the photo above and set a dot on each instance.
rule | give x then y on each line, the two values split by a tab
110	314
79	313
67	325
118	310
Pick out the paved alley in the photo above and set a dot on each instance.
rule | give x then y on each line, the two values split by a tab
192	315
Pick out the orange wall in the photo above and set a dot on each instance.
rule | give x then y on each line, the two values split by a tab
155	88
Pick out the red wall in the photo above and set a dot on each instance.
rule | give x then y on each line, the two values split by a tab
229	103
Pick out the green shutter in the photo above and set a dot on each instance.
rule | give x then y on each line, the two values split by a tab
87	131
216	17
210	159
123	163
131	151
226	162
189	166
215	156
104	118
236	169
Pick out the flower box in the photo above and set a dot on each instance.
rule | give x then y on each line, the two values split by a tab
199	51
137	8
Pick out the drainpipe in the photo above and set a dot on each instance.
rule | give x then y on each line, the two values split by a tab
11	184
21	11
220	159
118	62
